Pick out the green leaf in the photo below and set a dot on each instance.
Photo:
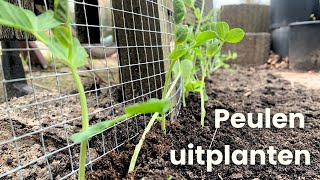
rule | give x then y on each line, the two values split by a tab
235	35
187	56
178	52
208	26
59	46
193	86
79	55
197	13
180	11
234	56
204	37
96	129
187	67
47	21
181	34
61	34
61	10
198	52
14	16
58	50
195	70
26	20
151	106
212	48
222	29
189	3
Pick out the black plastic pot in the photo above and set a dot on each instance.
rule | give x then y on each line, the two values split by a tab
304	49
284	12
280	41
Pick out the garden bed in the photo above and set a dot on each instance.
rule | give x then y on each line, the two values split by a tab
245	90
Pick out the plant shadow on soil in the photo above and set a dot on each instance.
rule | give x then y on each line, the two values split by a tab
246	90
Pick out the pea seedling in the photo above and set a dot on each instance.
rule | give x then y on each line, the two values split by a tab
199	44
69	51
190	49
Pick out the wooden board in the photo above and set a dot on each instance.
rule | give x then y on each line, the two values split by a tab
138	36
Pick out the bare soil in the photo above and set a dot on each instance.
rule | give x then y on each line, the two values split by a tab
246	90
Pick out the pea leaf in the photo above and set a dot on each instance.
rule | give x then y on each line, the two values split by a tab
187	67
79	55
191	36
178	52
197	13
61	34
58	50
189	3
180	11
181	34
94	130
198	52
222	29
212	48
47	21
235	35
193	86
26	20
61	10
208	26
151	106
204	37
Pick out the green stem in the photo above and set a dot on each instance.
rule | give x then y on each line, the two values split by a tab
183	99
148	128
203	109
163	117
85	122
163	123
139	145
200	22
173	85
168	78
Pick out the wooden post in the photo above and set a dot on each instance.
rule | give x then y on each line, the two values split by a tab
138	36
87	15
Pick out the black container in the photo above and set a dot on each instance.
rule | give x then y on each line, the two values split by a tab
304	49
284	12
280	41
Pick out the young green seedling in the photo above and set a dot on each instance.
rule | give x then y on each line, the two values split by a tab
191	48
198	44
69	51
61	43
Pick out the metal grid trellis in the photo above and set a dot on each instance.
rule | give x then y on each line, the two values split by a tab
127	64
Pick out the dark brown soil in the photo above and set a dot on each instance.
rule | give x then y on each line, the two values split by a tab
244	91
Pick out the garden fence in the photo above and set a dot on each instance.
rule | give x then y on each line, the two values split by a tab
128	42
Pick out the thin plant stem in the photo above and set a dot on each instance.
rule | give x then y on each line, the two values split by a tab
168	78
148	128
85	122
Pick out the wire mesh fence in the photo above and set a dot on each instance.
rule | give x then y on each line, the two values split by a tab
127	41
